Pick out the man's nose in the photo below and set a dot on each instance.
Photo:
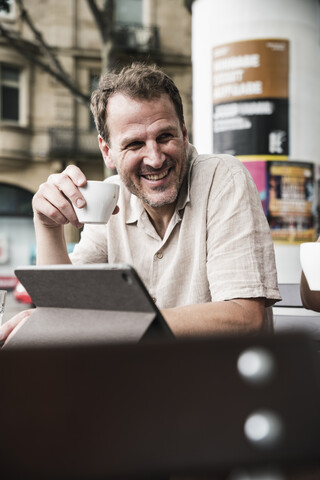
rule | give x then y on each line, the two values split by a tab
153	155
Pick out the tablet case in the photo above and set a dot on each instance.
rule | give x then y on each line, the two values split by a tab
96	303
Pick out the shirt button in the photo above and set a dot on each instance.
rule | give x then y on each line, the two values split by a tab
159	255
154	299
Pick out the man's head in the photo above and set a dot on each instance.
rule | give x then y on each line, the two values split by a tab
137	81
142	134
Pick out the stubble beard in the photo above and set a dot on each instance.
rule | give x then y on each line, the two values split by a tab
131	186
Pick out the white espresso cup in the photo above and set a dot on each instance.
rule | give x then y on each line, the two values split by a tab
101	199
310	263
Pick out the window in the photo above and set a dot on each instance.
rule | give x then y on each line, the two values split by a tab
9	93
15	201
129	12
7	9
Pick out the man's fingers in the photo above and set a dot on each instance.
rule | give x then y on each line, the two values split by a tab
76	175
65	184
9	327
53	201
14	331
50	203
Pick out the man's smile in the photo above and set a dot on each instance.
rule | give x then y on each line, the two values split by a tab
156	176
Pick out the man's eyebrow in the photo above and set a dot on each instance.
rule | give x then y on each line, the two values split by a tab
129	139
169	126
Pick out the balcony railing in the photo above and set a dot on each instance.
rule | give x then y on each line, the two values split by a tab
137	38
66	142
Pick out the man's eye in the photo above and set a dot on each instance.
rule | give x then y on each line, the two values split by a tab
165	137
134	145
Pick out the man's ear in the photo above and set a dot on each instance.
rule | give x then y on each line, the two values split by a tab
105	150
185	135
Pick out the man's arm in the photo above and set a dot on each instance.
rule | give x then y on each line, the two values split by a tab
310	298
51	245
52	207
231	316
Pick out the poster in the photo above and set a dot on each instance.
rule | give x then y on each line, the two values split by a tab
287	193
290	201
258	171
250	97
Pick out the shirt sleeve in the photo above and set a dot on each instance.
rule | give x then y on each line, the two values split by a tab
93	247
240	252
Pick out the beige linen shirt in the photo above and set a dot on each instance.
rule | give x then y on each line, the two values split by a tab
216	247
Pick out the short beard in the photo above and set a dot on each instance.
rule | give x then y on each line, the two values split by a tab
168	201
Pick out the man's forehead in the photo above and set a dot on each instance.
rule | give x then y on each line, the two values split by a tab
125	99
130	113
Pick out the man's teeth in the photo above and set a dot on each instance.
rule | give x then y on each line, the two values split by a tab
156	177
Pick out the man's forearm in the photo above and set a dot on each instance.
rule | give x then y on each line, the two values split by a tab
51	245
232	316
310	298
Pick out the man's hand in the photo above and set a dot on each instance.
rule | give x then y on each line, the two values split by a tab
52	207
52	204
10	328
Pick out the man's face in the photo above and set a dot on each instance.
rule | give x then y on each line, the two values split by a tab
147	146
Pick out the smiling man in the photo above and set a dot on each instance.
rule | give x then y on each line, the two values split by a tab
148	148
191	225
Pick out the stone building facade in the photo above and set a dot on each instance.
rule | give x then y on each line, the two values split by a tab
43	127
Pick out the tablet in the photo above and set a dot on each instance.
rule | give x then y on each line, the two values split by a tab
93	303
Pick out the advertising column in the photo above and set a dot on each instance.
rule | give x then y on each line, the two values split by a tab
250	81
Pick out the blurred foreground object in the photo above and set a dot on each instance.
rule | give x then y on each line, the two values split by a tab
148	410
